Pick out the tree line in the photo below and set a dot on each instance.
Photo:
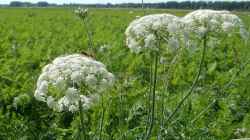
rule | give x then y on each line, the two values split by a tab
29	4
217	5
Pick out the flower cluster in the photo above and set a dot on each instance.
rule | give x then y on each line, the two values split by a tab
82	13
143	33
73	79
210	21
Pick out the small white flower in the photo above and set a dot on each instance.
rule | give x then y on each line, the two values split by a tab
227	26
73	108
173	28
76	77
87	101
60	83
202	31
51	102
39	96
173	42
91	79
150	41
43	88
72	95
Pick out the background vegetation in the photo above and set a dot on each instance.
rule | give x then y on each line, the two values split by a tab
228	5
31	38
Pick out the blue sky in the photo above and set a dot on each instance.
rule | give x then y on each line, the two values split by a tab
99	1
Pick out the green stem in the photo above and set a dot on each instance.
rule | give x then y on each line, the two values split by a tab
81	120
89	35
151	125
162	106
194	82
202	112
165	90
102	120
149	93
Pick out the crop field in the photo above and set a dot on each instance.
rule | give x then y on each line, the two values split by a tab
149	100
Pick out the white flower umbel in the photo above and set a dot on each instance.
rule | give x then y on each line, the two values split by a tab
82	13
209	26
68	80
143	33
211	21
152	33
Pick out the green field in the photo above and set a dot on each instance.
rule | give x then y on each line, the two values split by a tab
30	38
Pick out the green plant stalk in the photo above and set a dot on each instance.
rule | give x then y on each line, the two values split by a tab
194	82
151	125
89	35
149	93
162	106
102	120
81	120
202	112
123	91
166	84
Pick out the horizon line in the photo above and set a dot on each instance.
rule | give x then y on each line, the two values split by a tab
124	2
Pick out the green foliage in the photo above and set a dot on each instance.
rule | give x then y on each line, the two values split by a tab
30	38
